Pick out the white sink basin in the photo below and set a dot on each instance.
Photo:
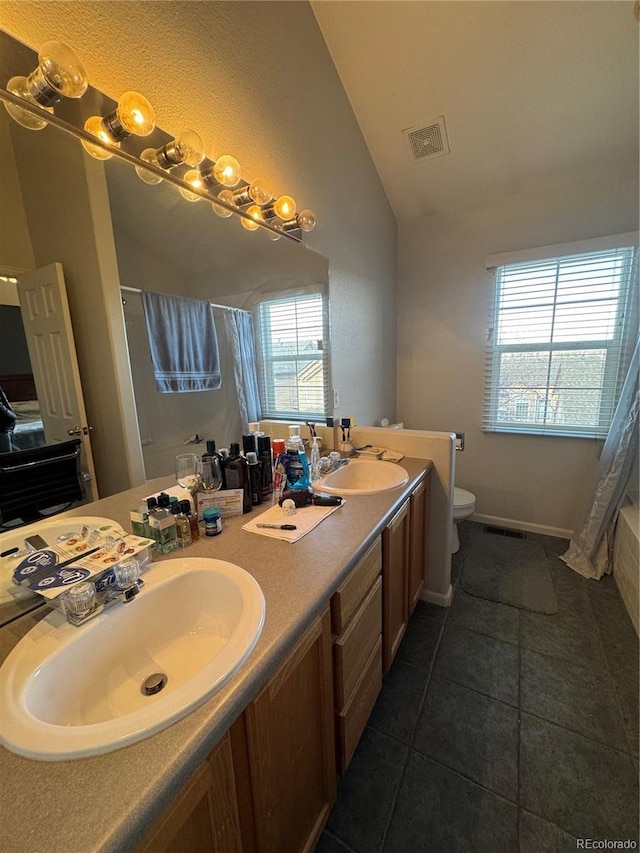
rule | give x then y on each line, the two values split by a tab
363	477
69	692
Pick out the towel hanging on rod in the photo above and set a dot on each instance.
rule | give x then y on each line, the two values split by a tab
183	342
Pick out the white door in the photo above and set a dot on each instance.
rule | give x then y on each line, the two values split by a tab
47	326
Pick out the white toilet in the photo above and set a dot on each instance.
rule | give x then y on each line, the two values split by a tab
464	504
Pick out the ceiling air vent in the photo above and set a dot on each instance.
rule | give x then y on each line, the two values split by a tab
429	140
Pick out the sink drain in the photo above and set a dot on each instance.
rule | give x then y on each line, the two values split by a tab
154	684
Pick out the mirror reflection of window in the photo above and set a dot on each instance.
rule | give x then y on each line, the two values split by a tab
292	356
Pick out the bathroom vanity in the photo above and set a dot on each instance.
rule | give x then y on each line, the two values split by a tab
255	767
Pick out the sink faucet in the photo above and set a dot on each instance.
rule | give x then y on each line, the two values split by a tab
83	601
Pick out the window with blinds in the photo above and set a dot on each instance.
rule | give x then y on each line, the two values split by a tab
293	368
559	343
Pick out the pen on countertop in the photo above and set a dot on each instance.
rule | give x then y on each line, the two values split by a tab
278	526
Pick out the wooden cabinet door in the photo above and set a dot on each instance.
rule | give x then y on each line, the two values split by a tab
204	816
418	512
290	749
395	568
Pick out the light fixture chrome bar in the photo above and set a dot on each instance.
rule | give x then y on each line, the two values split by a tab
80	133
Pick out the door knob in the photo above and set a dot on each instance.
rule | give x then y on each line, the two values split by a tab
79	430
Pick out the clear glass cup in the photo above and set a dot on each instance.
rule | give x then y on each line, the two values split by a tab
188	471
211	473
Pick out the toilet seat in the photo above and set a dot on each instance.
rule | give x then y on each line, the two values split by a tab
463	501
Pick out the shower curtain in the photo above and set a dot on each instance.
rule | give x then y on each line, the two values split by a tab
239	326
590	549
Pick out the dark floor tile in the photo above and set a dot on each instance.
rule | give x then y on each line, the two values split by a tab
480	662
581	786
571	695
486	617
367	791
540	836
457	561
429	609
396	711
438	810
620	643
465	529
568	636
472	734
570	589
421	639
329	844
606	584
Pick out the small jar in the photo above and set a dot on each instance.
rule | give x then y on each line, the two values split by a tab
212	521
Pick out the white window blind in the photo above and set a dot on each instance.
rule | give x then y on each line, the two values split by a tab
293	358
559	343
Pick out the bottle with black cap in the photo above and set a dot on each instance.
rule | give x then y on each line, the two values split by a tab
265	457
237	475
209	478
255	478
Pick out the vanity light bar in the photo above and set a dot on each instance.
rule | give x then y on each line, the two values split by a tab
60	73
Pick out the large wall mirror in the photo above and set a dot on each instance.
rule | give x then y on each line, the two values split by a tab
155	240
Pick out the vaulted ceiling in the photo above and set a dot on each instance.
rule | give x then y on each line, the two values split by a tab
535	94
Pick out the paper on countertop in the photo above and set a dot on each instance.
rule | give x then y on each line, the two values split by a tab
305	519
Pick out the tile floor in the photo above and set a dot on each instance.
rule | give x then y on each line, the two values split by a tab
499	729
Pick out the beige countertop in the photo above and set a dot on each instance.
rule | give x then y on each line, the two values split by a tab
108	802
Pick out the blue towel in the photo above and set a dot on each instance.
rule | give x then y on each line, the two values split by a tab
183	341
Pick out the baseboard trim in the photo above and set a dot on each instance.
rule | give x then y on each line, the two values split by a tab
514	524
439	598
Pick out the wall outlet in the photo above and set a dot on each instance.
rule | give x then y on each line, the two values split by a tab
336	398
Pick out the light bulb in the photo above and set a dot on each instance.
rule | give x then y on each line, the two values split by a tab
133	115
149	155
18	86
191	177
306	220
259	192
271	235
252	224
186	147
59	73
284	208
227	171
93	125
227	196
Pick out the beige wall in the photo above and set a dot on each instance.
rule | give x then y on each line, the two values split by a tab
256	80
444	299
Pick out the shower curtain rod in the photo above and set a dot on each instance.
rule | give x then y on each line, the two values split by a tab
213	304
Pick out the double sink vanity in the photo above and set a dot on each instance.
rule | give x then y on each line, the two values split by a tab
252	766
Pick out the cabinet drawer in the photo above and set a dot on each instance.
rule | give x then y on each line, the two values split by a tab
347	598
353	648
353	719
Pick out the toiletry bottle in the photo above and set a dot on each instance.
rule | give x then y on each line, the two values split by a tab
296	465
249	444
152	509
163	524
315	459
237	475
140	521
183	529
278	446
212	521
192	518
255	478
264	455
